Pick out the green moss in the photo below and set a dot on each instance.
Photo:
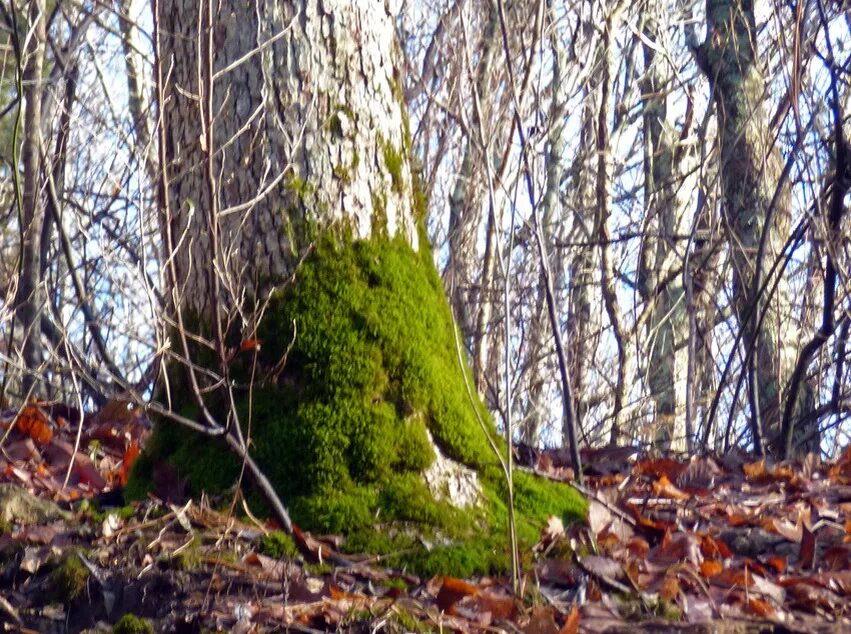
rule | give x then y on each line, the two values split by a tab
278	545
132	624
342	431
69	579
301	188
342	173
189	558
395	162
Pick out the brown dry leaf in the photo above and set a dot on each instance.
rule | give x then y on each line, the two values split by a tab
837	558
127	460
807	554
778	562
638	547
670	588
542	621
760	607
116	411
711	567
677	548
451	591
659	467
500	606
713	548
784	528
665	488
571	623
561	572
700	475
755	470
32	422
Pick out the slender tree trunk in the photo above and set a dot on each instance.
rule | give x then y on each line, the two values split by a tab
464	221
756	208
583	322
30	297
660	283
604	209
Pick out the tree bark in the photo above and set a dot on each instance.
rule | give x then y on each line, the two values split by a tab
659	283
30	295
756	210
301	94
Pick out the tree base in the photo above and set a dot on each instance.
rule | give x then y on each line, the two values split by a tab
344	430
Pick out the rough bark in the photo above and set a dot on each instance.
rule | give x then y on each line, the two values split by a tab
30	295
302	94
756	209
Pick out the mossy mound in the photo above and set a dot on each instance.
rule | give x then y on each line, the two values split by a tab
341	430
132	624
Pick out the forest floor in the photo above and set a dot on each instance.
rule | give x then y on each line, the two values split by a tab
712	544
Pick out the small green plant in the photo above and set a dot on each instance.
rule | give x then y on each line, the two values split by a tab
69	579
277	544
132	624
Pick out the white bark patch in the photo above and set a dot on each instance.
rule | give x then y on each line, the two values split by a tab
452	481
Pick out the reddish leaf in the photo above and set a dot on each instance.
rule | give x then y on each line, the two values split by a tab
713	548
665	488
778	562
659	467
711	567
500	606
760	607
451	591
807	554
249	344
130	455
33	422
571	624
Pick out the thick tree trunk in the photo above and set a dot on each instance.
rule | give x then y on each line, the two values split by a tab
292	216
756	209
307	131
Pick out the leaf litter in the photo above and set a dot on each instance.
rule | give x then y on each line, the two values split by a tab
712	544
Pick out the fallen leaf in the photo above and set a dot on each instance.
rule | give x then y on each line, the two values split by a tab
571	624
451	591
807	553
542	621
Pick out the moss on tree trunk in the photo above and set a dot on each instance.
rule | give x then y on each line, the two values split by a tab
341	429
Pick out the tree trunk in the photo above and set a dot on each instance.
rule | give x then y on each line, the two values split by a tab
30	295
303	94
756	208
292	217
660	281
